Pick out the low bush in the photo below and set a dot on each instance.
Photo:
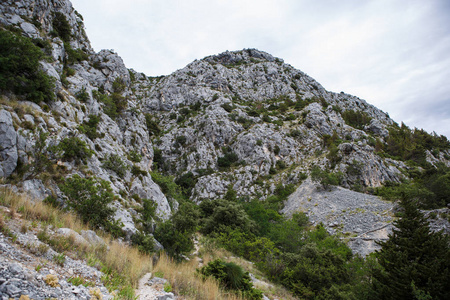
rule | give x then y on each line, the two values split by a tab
152	125
325	177
231	277
62	27
116	164
89	128
20	70
355	118
90	199
74	148
228	159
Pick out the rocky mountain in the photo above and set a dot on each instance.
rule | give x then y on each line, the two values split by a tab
240	124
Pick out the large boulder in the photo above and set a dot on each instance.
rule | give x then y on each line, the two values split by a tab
8	145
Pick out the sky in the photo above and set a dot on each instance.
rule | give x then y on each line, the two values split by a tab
395	54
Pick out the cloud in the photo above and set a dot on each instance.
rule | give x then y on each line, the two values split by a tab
392	53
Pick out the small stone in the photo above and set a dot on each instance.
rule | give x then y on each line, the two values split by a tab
166	296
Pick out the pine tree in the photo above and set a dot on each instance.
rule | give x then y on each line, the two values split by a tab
415	262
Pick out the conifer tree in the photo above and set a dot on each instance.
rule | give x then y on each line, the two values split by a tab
415	262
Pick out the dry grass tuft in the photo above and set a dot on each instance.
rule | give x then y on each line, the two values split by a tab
184	281
51	280
126	260
95	294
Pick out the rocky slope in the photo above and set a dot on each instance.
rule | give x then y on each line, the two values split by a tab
243	121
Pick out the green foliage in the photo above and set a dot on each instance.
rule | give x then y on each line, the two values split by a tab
148	213
59	259
118	85
113	104
187	182
116	164
168	186
89	127
414	261
355	118
74	149
41	159
74	55
228	107
90	199
325	178
176	241
180	140
406	144
232	277
136	171
228	159
313	272
430	187
222	215
82	95
134	156
62	27
20	70
152	125
144	242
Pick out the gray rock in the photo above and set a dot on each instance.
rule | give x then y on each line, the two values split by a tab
30	30
36	189
69	233
8	144
365	218
166	296
91	237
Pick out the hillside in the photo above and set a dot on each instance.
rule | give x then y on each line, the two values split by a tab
243	126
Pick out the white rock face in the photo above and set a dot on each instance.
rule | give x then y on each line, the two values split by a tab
8	144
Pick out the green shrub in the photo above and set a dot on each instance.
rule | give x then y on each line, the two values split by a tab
82	95
20	70
228	159
176	243
180	140
152	125
113	105
115	164
136	171
144	242
118	85
74	149
90	199
222	215
74	55
355	118
325	178
228	107
134	156
231	277
89	127
168	186
62	27
187	182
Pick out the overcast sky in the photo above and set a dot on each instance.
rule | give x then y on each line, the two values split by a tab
394	54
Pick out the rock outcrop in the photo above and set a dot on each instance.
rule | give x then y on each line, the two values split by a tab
241	120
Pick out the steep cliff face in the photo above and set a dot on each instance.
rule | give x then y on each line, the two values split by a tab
240	121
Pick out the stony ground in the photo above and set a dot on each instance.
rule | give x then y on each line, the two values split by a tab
28	267
361	218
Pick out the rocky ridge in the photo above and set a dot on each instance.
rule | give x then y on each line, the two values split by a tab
247	106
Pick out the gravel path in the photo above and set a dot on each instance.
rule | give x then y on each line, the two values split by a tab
152	288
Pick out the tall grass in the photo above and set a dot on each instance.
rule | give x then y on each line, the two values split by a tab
184	281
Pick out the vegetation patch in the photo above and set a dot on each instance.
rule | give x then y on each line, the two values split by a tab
20	70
